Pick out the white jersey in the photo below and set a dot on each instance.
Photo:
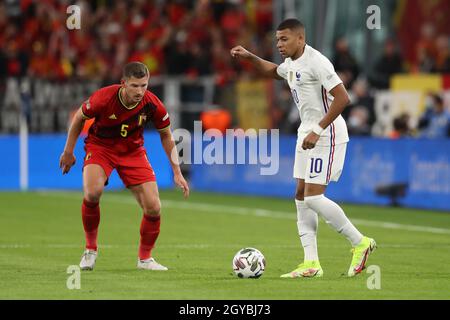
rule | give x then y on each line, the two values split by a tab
311	77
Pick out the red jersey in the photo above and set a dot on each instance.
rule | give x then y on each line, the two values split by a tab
117	126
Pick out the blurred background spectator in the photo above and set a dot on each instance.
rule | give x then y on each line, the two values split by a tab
401	127
344	63
388	64
435	122
359	114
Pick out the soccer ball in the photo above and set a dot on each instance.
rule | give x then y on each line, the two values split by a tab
249	263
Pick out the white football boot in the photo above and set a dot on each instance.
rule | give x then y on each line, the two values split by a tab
88	259
150	264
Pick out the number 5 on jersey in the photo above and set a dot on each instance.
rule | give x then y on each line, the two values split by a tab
123	130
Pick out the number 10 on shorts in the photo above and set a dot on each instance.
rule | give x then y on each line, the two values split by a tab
316	165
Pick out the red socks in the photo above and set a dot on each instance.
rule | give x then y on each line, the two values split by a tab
90	213
149	234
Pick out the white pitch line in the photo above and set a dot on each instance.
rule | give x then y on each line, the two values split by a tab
101	246
391	225
192	246
207	207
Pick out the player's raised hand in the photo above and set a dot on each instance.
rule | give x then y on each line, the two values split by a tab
240	52
181	182
66	161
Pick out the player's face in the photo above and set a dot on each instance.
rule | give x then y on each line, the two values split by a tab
289	42
135	88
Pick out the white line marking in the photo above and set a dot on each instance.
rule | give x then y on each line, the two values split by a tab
198	246
207	207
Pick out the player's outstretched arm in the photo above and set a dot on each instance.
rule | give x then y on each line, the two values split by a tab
266	68
67	159
168	144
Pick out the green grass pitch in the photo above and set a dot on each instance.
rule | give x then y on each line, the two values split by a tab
41	235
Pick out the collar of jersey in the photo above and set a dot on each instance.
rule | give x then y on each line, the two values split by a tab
123	104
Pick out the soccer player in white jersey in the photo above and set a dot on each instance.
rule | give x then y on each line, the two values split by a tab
322	139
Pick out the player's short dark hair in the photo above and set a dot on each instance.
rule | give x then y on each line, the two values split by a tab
135	69
293	24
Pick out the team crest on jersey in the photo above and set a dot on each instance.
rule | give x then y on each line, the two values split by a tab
142	118
88	156
297	75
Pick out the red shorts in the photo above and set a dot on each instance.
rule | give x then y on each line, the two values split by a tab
133	167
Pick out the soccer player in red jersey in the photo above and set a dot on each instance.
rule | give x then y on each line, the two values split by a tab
115	141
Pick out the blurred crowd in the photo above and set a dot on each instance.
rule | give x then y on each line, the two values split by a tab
170	37
432	56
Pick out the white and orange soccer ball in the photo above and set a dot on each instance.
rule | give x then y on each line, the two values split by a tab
249	263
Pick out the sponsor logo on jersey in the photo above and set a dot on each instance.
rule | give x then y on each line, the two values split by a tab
112	117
